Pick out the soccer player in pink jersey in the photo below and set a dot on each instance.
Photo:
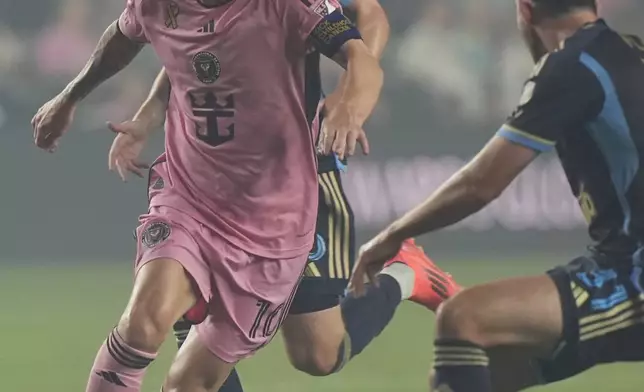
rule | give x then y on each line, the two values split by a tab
233	199
322	331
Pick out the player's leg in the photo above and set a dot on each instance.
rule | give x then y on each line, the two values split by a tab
196	368
321	341
322	333
580	315
512	369
162	293
253	295
181	330
524	312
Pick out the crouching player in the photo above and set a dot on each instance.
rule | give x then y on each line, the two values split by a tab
585	99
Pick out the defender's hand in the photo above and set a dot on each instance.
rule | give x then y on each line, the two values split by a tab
371	258
126	148
51	121
340	133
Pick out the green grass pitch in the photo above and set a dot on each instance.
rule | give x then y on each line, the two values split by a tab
54	318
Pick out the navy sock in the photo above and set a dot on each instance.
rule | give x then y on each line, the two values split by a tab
181	329
232	384
367	316
460	367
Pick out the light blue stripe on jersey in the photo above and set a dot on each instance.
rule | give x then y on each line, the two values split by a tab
525	139
346	3
612	134
339	164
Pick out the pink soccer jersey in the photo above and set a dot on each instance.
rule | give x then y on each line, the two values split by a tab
239	143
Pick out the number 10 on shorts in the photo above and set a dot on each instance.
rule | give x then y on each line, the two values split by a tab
266	322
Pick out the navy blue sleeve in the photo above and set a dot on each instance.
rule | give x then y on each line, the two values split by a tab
333	31
560	96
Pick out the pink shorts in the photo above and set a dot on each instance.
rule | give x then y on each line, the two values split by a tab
247	296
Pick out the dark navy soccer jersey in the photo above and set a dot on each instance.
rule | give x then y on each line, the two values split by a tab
587	101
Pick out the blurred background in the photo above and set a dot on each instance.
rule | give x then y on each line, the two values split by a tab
454	70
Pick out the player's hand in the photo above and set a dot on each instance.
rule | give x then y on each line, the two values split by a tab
371	258
51	121
340	133
126	148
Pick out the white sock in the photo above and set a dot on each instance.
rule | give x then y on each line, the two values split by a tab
404	275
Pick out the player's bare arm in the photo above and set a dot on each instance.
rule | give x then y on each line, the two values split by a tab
151	115
472	188
113	53
373	25
152	111
358	96
336	37
133	134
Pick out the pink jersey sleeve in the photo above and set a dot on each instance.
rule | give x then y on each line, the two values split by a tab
298	16
129	24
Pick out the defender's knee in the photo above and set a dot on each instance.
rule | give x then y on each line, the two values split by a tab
316	360
145	328
459	318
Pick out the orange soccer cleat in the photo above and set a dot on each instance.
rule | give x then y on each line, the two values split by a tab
432	286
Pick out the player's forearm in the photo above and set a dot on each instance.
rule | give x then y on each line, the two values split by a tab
152	112
373	25
455	200
361	87
113	53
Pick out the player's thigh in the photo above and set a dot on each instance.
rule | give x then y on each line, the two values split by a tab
163	289
603	313
160	287
520	311
196	368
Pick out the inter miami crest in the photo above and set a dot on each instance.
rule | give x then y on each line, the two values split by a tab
155	233
207	67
